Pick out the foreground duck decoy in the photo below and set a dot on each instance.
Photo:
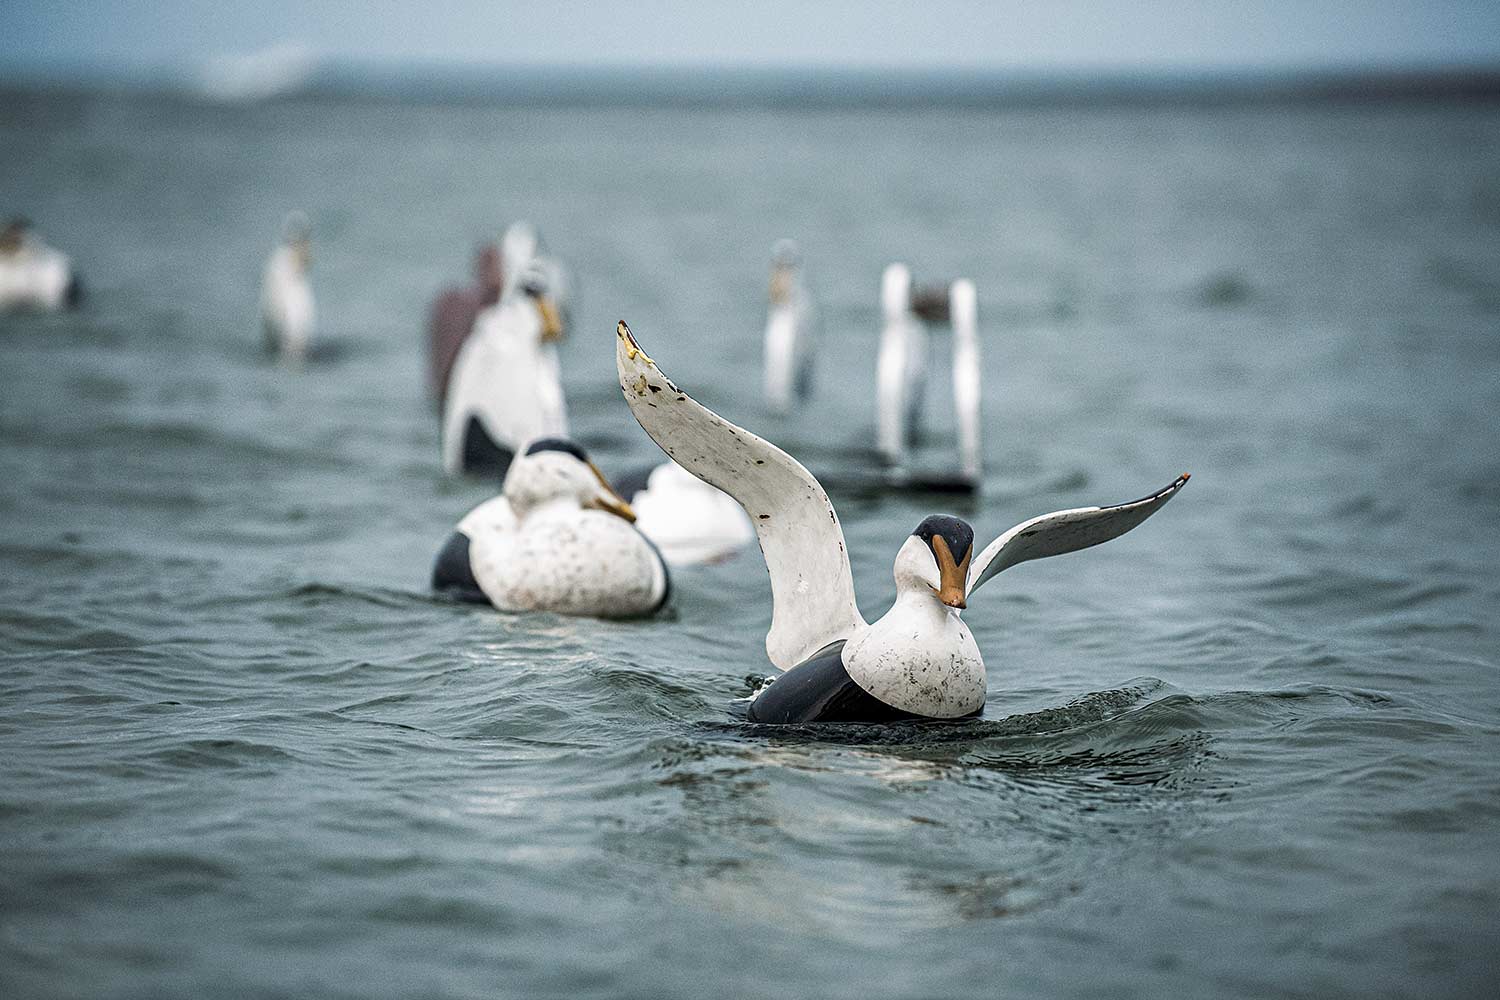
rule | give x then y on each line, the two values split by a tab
918	661
557	538
505	387
901	374
789	331
32	274
288	314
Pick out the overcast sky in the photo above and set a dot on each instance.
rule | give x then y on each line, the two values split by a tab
1005	35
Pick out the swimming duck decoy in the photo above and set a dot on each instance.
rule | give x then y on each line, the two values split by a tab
505	387
789	331
558	538
32	274
918	661
901	371
287	311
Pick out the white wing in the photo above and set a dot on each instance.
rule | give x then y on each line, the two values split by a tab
812	589
1065	531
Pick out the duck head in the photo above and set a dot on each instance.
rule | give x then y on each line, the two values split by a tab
786	259
534	287
553	470
935	560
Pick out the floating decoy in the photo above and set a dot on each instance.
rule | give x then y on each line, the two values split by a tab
918	661
558	538
901	373
505	388
32	274
287	312
789	331
690	521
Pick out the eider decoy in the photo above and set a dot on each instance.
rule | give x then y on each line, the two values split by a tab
689	521
505	387
918	661
33	275
558	538
789	331
901	372
288	314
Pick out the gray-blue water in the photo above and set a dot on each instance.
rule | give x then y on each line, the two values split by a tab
1248	750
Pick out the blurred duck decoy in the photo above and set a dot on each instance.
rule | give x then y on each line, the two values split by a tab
288	314
918	661
789	331
557	538
901	373
32	274
687	519
505	387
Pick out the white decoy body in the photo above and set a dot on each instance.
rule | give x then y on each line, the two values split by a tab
288	313
789	331
919	659
33	275
690	521
558	538
505	387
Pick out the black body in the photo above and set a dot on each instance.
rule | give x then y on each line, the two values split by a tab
821	690
483	453
451	573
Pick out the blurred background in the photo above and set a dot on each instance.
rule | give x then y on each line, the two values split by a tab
1246	751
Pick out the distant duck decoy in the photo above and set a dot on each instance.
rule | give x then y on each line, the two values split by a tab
505	387
789	331
453	314
287	312
918	661
901	372
32	274
558	538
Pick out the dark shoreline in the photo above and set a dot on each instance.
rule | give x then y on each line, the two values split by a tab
803	88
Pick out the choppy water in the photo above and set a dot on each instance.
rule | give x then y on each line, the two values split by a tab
1249	750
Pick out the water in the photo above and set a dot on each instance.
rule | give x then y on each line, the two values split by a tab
1248	750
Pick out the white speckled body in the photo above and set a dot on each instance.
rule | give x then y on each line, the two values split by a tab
919	657
577	562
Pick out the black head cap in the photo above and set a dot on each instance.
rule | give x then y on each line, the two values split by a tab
557	444
956	532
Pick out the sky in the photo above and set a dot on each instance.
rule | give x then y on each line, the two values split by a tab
1021	36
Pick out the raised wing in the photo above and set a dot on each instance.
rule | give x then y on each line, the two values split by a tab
1065	531
812	589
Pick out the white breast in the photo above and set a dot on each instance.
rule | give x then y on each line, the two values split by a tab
286	304
921	659
580	562
508	378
